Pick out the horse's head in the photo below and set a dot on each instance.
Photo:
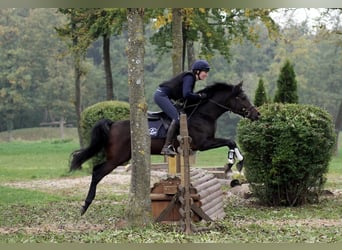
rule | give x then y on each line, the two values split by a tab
228	97
240	104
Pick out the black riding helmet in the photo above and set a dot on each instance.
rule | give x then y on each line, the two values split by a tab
201	65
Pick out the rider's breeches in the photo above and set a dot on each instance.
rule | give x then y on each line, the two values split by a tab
164	102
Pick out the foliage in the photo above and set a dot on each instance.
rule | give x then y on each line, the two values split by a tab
38	61
287	85
114	110
260	94
216	29
287	152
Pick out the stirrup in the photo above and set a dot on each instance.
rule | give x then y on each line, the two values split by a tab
169	150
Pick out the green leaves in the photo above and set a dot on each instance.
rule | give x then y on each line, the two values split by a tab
287	85
114	110
287	152
216	29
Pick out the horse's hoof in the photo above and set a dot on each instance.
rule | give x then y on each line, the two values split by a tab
228	168
235	183
83	210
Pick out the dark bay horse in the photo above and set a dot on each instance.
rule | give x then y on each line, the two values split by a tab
114	137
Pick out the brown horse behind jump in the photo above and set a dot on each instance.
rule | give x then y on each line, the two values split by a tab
115	137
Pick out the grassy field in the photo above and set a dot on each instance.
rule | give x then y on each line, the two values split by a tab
40	201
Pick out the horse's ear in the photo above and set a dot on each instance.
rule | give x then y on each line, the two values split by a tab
237	89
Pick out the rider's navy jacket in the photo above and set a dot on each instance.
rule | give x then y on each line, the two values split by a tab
180	87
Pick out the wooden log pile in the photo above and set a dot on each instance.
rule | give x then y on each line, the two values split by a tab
206	194
210	193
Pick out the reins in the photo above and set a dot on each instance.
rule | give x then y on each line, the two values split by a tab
197	105
217	104
220	105
193	105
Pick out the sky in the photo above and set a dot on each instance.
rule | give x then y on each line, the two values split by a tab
298	15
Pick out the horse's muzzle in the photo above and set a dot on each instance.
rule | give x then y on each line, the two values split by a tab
253	114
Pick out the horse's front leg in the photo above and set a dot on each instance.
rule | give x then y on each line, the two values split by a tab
233	151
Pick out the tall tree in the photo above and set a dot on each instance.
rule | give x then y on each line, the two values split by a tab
54	83
104	23
338	125
177	41
333	35
214	29
286	85
139	208
78	41
15	74
260	94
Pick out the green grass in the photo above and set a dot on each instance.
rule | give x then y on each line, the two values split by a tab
25	196
49	158
60	222
38	134
37	216
35	160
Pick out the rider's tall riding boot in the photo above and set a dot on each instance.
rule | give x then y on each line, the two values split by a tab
168	148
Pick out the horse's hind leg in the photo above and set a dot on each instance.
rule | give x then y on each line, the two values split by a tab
99	171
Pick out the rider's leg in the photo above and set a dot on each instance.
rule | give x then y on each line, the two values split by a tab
168	149
163	101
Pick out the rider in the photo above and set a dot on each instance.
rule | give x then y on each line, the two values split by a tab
179	87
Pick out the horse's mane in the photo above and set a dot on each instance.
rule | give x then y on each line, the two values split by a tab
219	87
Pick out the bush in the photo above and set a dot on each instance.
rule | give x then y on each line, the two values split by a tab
114	110
260	94
287	153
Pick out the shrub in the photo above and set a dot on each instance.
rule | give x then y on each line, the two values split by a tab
114	110
287	153
260	94
286	85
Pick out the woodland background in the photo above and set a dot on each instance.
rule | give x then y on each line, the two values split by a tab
37	75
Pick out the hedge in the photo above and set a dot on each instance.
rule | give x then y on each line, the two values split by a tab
114	110
287	153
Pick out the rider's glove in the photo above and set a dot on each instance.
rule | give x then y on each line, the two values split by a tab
203	95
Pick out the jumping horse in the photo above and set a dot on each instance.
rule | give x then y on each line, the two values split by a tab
115	137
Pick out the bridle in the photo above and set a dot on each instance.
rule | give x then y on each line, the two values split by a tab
245	112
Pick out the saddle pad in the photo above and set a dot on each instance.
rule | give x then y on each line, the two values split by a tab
156	129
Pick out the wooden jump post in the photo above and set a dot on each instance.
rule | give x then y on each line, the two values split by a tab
184	141
176	199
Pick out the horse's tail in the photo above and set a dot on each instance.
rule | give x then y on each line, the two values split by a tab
99	138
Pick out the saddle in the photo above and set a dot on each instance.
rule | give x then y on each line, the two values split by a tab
158	123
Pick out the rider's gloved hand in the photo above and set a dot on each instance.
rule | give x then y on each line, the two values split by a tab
203	95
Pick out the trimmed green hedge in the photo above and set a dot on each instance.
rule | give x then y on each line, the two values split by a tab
287	152
114	110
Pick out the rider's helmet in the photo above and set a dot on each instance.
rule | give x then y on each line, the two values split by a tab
201	65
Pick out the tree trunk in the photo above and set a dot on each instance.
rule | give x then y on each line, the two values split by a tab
61	127
77	75
139	208
191	53
9	124
107	67
338	126
177	41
